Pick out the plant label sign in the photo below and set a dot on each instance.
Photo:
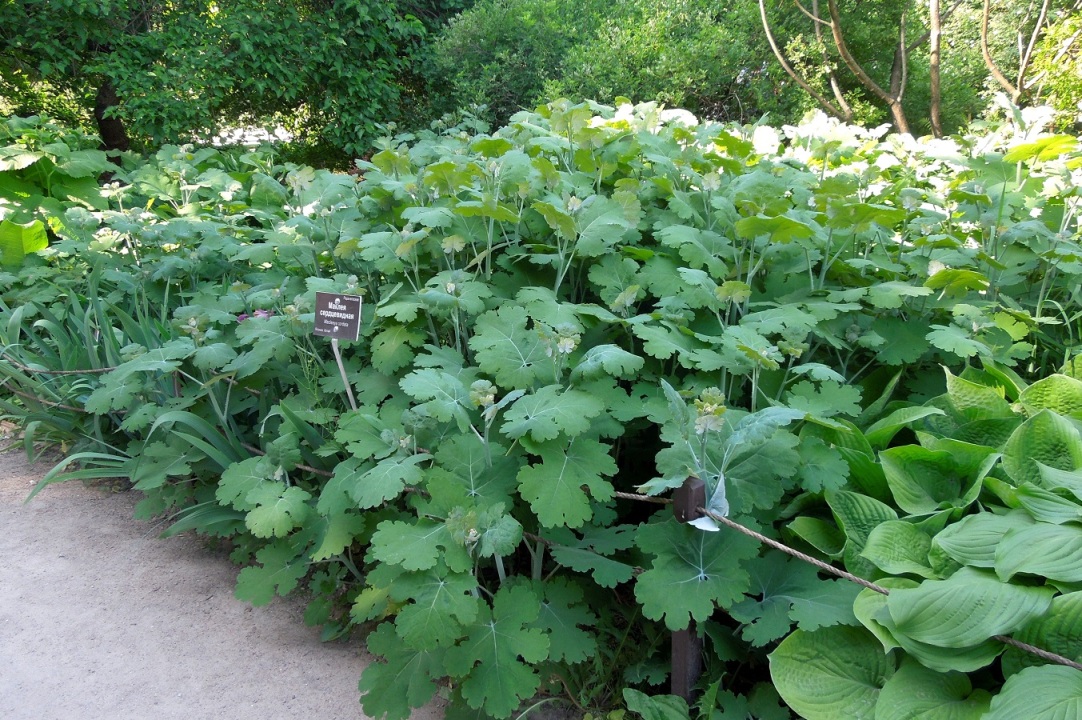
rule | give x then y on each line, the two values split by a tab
338	316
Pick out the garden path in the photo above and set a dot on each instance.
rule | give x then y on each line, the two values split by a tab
102	620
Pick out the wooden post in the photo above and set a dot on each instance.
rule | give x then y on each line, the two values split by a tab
687	646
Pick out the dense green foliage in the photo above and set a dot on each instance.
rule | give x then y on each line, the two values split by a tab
508	55
175	71
866	345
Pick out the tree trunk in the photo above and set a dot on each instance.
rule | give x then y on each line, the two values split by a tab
111	129
935	41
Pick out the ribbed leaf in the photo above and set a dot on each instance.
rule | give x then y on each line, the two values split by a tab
1052	551
899	547
1059	631
973	540
835	672
965	609
1045	438
1047	692
917	693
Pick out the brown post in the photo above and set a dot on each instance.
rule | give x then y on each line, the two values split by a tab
687	646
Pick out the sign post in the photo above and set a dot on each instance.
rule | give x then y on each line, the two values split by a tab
338	317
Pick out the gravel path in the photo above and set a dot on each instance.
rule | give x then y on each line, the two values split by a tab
101	619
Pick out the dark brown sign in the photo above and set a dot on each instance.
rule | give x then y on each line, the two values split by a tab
338	316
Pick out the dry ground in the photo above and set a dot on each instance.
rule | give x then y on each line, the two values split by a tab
102	620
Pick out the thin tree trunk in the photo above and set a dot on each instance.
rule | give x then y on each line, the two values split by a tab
842	111
112	131
893	99
935	42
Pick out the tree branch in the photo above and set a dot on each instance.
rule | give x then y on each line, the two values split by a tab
850	61
988	61
835	86
1023	65
934	45
813	15
827	105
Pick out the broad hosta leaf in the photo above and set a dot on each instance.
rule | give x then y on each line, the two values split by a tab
1047	506
1073	367
1046	692
881	432
705	566
973	540
405	678
822	535
923	480
489	658
899	547
1059	393
858	514
832	673
784	591
871	609
550	412
1043	549
1059	631
1067	480
1046	438
555	486
975	401
965	609
916	693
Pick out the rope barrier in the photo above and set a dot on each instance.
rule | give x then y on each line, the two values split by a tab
826	567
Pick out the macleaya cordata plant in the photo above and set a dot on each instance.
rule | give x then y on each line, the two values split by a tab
863	344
